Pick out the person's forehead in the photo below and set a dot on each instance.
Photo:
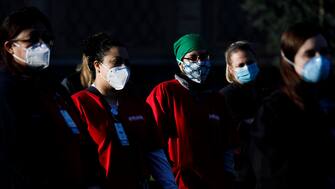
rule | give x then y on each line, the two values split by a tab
24	34
241	54
196	52
116	52
34	33
315	43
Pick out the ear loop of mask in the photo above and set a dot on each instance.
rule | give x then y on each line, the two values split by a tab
93	84
103	65
286	59
179	61
17	57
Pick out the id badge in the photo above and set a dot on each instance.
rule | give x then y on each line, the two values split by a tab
121	134
69	121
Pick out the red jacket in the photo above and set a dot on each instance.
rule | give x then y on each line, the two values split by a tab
123	165
193	125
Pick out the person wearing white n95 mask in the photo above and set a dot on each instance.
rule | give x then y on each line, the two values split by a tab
37	55
40	135
30	49
117	76
117	119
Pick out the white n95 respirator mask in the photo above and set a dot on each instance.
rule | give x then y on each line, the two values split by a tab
37	55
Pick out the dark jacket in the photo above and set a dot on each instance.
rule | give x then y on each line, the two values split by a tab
242	102
72	83
291	147
39	146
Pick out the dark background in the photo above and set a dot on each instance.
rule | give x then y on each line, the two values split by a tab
149	28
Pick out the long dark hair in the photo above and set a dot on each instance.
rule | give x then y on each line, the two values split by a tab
291	40
14	24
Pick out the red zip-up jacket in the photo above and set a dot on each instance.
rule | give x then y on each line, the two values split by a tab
194	128
123	165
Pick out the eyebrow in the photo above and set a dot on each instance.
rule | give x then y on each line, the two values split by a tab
23	40
191	55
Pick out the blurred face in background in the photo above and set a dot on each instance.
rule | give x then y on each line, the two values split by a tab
242	66
312	47
30	48
23	40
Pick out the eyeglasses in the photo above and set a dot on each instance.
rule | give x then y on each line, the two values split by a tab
35	37
197	57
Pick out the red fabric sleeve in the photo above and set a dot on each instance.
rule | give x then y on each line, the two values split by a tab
158	101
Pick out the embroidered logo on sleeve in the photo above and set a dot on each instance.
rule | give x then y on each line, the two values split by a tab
136	118
214	117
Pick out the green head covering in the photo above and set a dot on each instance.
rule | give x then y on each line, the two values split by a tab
186	44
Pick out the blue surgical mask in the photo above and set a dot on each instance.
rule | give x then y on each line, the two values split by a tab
316	69
247	73
196	71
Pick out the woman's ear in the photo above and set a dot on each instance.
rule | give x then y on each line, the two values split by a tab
231	69
181	67
8	47
96	66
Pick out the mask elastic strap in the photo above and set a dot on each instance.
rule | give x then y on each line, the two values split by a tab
180	62
15	56
21	59
286	59
103	77
102	64
17	45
